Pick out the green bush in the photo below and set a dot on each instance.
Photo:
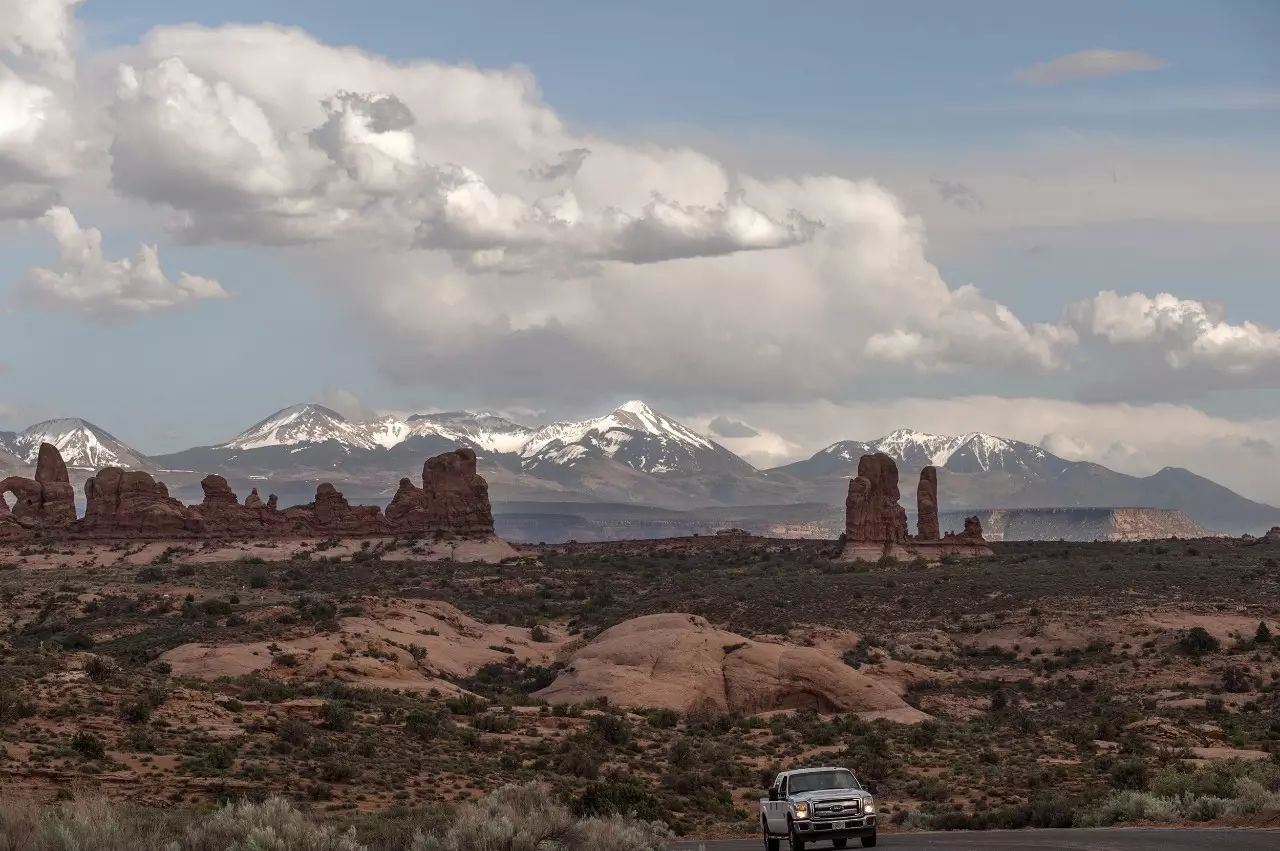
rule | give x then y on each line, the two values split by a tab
1197	641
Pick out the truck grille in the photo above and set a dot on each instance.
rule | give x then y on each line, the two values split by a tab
838	809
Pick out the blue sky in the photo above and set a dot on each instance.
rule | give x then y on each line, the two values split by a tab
1015	199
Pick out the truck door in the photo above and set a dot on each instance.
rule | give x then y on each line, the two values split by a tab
776	811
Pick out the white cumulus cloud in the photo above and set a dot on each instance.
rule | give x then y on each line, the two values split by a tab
86	283
39	31
1185	334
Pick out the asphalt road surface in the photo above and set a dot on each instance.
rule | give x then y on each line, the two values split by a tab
1091	839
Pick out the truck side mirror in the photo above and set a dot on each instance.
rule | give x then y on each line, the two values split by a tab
773	793
871	787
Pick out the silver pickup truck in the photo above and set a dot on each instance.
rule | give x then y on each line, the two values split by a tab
816	805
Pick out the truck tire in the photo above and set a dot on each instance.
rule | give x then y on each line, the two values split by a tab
771	842
793	838
869	841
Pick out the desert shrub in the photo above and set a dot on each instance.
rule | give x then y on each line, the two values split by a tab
1129	806
524	818
1236	680
1263	634
578	761
294	732
78	825
428	723
13	706
88	745
1181	793
611	729
99	669
1129	774
135	712
338	716
619	797
1197	641
273	825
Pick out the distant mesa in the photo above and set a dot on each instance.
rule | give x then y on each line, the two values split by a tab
876	523
453	502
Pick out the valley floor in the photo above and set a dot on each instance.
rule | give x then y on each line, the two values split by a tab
1086	684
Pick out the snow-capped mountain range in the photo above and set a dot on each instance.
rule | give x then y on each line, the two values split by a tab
633	454
81	443
968	453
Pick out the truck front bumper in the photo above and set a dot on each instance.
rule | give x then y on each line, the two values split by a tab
841	828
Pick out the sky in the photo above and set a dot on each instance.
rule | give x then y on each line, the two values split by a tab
787	226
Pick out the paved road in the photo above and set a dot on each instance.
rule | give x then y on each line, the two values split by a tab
1100	839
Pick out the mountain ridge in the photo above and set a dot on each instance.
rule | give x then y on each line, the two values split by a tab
636	455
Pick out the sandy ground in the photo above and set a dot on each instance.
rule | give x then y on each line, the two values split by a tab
93	553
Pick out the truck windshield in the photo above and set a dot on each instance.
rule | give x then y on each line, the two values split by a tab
811	781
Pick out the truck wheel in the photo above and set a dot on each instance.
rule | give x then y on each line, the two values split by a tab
770	842
869	841
794	840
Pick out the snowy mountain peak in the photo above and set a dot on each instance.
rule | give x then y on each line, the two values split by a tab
301	424
634	416
81	443
972	452
633	434
482	430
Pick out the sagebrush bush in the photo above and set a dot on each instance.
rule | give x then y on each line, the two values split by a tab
1229	789
531	818
273	825
514	818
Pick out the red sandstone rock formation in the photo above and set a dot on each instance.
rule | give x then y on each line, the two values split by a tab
972	533
927	506
222	512
121	502
453	499
872	512
47	501
331	513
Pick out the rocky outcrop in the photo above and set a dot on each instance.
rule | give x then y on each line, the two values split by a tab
876	525
131	502
222	512
46	502
927	528
331	513
453	499
452	503
681	662
872	512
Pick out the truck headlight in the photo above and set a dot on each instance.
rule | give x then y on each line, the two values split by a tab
802	809
868	806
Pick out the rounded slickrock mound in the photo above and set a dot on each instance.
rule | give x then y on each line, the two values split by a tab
453	499
681	662
872	512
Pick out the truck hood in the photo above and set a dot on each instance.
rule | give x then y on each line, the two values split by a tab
830	795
